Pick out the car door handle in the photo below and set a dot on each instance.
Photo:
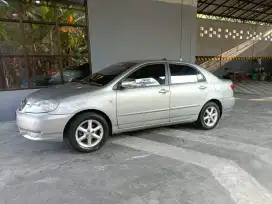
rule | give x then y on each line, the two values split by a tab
202	87
163	91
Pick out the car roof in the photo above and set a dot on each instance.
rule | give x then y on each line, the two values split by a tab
207	74
154	60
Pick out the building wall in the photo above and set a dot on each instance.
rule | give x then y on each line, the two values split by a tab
144	29
10	101
215	38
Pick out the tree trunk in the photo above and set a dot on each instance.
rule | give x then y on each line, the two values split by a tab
3	84
23	41
60	56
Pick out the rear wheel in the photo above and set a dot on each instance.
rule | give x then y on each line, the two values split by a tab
209	116
88	132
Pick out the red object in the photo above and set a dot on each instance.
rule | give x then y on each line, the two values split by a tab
238	76
232	86
245	78
50	73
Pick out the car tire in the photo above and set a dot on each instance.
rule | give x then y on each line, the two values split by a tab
84	134
209	116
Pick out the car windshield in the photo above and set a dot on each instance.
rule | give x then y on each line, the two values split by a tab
106	75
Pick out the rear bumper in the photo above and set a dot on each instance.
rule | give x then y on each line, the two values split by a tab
228	104
42	126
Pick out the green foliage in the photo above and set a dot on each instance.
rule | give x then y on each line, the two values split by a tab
39	38
3	32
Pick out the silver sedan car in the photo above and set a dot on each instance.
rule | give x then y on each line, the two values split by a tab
122	97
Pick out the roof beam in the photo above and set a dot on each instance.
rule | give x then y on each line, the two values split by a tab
264	12
253	13
255	6
217	7
258	4
230	7
207	5
239	8
199	4
245	10
231	17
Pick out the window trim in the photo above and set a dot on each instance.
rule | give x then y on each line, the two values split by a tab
141	66
183	64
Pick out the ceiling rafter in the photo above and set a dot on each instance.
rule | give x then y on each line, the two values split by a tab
241	19
235	2
207	5
240	6
264	12
235	8
217	7
245	10
253	2
252	8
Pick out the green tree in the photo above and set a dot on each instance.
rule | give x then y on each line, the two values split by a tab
40	38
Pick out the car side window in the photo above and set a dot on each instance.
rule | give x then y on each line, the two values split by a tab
181	74
149	75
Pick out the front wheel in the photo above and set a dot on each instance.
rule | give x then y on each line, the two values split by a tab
88	132
209	116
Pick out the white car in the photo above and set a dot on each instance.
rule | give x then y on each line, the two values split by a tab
123	97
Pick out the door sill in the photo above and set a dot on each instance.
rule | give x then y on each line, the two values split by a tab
121	130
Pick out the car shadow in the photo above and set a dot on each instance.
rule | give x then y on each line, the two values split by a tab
185	126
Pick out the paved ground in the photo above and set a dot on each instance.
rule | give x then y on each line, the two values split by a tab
254	87
180	164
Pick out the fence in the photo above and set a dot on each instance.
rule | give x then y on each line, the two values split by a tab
39	39
21	72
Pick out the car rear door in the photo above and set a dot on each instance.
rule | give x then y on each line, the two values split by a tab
148	102
188	89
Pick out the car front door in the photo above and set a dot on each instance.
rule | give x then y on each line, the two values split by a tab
147	102
188	92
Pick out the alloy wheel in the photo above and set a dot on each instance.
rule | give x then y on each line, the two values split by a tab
210	116
89	133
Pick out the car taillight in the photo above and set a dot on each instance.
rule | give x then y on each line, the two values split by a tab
232	86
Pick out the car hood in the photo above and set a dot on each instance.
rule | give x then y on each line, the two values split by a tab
61	91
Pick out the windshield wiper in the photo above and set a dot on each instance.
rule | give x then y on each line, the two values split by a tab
88	82
94	83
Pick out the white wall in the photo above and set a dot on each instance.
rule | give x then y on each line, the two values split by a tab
213	46
140	29
10	101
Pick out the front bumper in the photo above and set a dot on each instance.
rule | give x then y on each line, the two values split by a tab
41	126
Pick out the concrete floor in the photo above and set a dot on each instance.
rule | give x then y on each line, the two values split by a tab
179	164
254	87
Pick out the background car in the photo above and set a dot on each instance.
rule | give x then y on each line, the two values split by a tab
69	75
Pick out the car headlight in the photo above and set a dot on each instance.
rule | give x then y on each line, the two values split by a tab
41	107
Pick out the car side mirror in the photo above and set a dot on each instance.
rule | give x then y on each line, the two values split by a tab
128	83
200	78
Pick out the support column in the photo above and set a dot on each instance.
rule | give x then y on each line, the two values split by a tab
188	30
123	30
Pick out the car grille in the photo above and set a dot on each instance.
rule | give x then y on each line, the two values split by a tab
23	104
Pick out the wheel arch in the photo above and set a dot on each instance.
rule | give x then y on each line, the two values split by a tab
217	102
107	118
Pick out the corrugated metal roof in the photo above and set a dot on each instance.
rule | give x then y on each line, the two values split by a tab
252	10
